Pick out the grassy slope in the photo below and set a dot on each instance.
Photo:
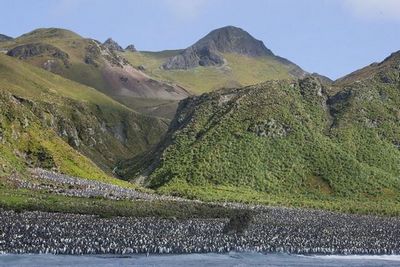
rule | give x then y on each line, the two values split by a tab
27	139
239	70
55	103
87	74
349	162
20	200
37	83
26	143
71	43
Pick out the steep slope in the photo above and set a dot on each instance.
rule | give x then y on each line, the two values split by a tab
91	63
284	141
25	143
225	58
90	122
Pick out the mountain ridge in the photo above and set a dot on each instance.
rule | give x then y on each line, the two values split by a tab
88	62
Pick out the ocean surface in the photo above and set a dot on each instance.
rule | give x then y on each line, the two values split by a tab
230	259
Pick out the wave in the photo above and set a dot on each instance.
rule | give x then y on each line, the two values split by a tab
357	257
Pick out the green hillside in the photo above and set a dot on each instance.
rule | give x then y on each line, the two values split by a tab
285	142
139	80
239	70
226	57
73	115
53	123
89	62
68	41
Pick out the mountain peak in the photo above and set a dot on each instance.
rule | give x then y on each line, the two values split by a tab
230	39
209	49
131	48
112	45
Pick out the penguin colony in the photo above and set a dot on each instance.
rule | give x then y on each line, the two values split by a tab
271	230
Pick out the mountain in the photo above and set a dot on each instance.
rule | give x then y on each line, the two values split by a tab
52	122
292	141
154	82
225	58
88	62
208	50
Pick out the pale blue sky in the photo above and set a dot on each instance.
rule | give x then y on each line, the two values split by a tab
331	37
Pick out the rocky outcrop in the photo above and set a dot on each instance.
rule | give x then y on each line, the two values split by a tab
208	50
112	45
38	49
131	48
194	57
269	128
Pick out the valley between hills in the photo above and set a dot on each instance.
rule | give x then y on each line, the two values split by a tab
219	137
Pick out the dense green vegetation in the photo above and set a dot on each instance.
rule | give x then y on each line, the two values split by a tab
286	143
299	143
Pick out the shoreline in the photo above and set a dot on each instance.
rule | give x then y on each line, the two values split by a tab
275	230
392	257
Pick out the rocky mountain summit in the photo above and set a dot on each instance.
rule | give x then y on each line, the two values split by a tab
208	50
131	48
112	45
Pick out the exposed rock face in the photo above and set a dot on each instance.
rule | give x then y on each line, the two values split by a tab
112	45
269	128
4	38
38	49
92	53
207	51
234	40
131	48
85	127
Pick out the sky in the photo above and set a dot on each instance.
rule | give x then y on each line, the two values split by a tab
331	37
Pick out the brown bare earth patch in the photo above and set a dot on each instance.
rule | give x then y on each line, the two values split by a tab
318	183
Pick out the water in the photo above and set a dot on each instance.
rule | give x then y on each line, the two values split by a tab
197	260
